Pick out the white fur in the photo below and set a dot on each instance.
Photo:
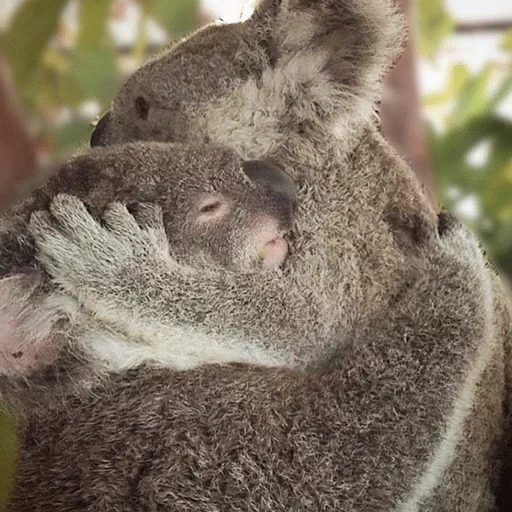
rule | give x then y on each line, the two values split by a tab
182	349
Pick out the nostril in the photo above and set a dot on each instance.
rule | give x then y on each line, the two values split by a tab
274	253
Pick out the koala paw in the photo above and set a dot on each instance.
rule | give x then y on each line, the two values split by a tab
83	254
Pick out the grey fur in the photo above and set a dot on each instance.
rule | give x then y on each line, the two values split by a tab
271	439
241	216
408	413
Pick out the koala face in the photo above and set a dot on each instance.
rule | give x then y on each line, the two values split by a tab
163	108
294	66
235	217
218	208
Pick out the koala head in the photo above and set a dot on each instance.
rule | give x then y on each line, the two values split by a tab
217	208
296	66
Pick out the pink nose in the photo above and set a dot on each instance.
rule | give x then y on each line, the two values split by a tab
274	253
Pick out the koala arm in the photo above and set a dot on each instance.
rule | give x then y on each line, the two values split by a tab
388	415
122	273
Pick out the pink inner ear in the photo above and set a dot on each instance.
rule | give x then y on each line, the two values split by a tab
212	207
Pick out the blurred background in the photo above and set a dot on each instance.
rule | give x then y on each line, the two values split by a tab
447	105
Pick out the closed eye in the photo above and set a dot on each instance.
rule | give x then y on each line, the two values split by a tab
212	209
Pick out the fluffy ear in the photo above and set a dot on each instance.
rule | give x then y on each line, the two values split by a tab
354	42
352	34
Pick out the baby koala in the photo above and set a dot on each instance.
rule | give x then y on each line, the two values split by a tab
219	212
231	212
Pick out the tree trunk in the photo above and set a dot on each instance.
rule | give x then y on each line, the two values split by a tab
17	149
401	110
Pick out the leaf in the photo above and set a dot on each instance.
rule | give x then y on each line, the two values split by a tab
31	29
458	79
451	148
506	43
435	25
93	66
71	135
94	15
502	241
501	94
7	453
473	99
179	16
93	73
497	188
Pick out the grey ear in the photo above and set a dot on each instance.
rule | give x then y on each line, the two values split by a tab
98	137
272	177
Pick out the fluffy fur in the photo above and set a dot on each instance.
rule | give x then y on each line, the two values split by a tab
408	412
358	434
182	179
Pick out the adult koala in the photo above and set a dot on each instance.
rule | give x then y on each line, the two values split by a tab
408	412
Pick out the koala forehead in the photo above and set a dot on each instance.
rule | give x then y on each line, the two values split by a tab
296	66
157	102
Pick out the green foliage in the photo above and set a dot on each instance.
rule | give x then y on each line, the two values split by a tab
58	71
506	44
94	61
457	81
28	35
435	25
180	19
471	121
490	182
7	454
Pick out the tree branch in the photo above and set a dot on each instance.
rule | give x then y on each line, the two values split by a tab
484	26
18	158
401	112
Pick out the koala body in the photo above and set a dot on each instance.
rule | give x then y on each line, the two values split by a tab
220	212
406	410
272	439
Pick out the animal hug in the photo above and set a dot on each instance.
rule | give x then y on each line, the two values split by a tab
240	299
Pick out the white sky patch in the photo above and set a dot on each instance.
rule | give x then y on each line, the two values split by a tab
473	10
479	155
468	208
228	10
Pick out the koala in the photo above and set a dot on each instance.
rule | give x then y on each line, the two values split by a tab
264	439
220	212
407	406
228	212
